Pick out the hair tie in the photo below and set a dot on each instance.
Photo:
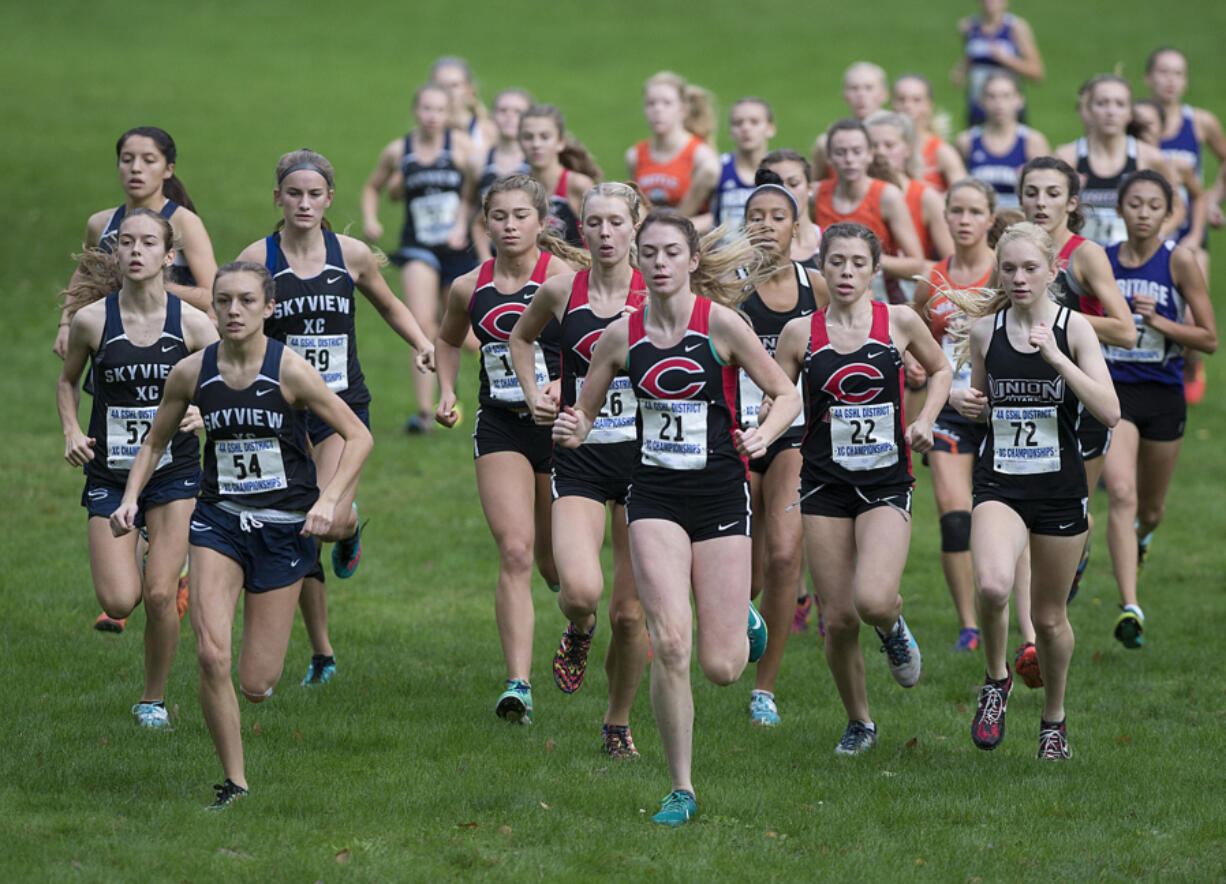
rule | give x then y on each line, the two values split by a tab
298	167
761	188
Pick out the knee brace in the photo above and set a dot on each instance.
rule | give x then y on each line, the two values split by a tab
255	697
956	531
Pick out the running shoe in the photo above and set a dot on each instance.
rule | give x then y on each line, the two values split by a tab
1081	569
1026	664
347	553
570	660
1194	384
968	640
618	742
800	620
321	670
1128	627
1142	548
762	709
1053	742
676	809
515	703
419	425
109	624
181	593
151	715
902	652
988	725
227	793
757	635
860	736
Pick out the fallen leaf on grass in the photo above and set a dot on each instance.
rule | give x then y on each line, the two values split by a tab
1096	656
1123	738
770	834
342	856
1202	434
911	743
76	864
550	745
104	742
504	830
462	768
919	860
888	773
471	825
543	804
298	736
962	710
257	730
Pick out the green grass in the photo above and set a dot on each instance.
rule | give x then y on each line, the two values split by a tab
399	770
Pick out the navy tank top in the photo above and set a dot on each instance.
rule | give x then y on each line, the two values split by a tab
730	194
1155	358
180	272
431	196
998	170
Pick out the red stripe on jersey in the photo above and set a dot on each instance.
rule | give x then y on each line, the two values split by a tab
879	331
560	190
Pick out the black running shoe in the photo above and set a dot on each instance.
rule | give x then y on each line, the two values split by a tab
227	793
1053	742
988	725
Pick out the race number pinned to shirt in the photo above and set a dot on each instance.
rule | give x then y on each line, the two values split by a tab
674	433
328	353
126	429
1025	440
1151	345
751	401
615	423
433	216
862	436
504	385
249	466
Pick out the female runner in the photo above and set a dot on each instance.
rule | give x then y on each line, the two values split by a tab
688	506
878	205
431	168
512	453
1034	366
131	337
675	167
771	216
892	137
998	148
865	91
468	114
504	158
794	173
1159	280
561	164
316	272
598	473
751	123
259	511
856	480
1147	125
1107	146
940	162
1050	191
995	41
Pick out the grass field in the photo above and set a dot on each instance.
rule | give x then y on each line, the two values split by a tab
399	770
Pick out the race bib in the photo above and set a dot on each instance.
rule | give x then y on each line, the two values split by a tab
1104	226
674	433
862	436
249	466
328	353
1025	440
1151	345
751	401
504	385
126	429
615	423
433	216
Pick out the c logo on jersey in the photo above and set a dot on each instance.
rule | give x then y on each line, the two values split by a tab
499	321
587	343
661	378
855	384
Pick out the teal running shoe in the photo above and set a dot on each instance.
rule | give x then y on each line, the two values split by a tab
902	652
1129	626
347	553
860	736
762	709
677	808
515	703
757	635
152	715
321	670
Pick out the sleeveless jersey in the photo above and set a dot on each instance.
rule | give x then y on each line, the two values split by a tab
665	183
489	174
768	325
977	50
128	385
869	214
1030	451
731	193
998	169
180	272
493	315
255	453
687	401
1067	291
1155	358
854	434
942	315
315	318
431	196
914	197
932	174
562	221
1101	194
1184	145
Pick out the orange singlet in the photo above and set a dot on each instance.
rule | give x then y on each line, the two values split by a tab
867	213
932	174
939	310
665	183
914	196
